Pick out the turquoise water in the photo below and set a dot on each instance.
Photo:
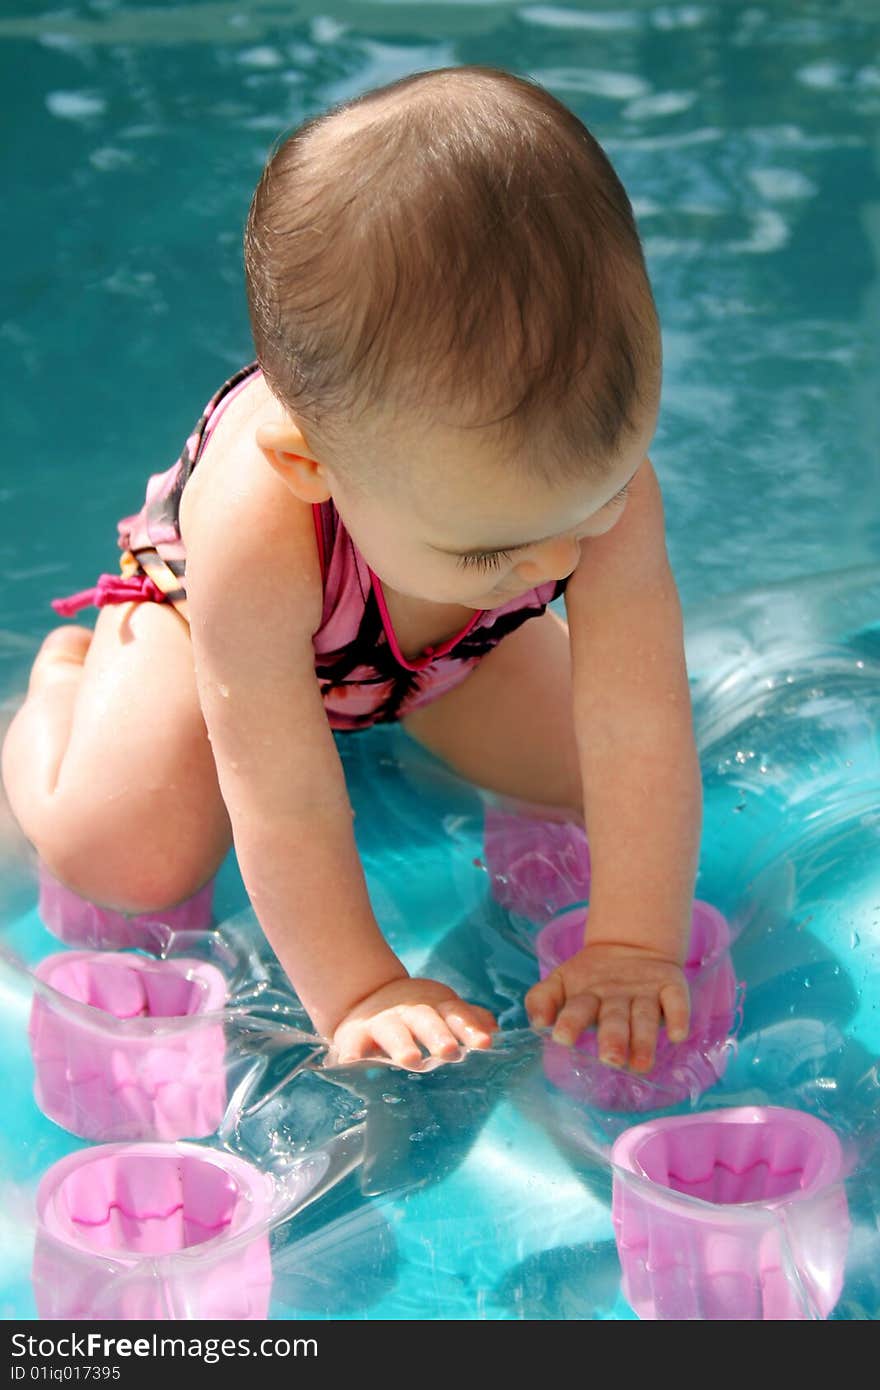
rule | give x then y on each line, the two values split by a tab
748	139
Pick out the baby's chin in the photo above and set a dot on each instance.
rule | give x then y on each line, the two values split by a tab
504	594
495	598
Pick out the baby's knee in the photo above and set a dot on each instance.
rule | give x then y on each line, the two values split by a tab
129	864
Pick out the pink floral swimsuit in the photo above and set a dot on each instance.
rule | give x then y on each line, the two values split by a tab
363	675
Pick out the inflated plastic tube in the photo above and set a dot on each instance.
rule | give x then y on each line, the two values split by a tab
681	1070
731	1214
153	1231
78	922
133	1057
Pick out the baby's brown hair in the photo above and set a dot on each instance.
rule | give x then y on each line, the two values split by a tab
456	246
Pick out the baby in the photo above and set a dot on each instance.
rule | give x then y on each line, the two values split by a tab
457	381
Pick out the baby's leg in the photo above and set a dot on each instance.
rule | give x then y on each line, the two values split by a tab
107	765
509	727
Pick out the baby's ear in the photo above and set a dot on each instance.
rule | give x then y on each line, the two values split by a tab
286	449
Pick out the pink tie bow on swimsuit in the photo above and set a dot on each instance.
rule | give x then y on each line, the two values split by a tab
110	588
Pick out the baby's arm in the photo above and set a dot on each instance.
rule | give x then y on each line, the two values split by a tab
255	597
642	794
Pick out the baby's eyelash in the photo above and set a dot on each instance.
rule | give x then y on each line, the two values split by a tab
494	559
491	560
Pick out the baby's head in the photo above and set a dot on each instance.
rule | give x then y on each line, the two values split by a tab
450	306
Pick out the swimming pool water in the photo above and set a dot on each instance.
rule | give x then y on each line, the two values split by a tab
748	139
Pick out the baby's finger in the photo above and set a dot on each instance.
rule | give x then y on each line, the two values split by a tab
543	1001
472	1025
644	1022
393	1036
473	1014
352	1042
675	1002
578	1014
613	1033
431	1030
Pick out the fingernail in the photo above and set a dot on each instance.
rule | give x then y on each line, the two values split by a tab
610	1059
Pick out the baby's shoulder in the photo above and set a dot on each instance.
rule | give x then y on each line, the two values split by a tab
235	504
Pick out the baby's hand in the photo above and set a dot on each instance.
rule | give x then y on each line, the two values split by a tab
622	989
406	1012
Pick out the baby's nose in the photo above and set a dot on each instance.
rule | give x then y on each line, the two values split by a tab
550	560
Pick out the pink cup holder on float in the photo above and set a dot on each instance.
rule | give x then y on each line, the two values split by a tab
536	867
731	1214
128	1066
681	1070
78	922
153	1231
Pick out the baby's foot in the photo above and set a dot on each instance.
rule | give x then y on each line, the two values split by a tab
62	654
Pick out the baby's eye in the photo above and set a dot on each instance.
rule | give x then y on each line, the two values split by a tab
491	560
